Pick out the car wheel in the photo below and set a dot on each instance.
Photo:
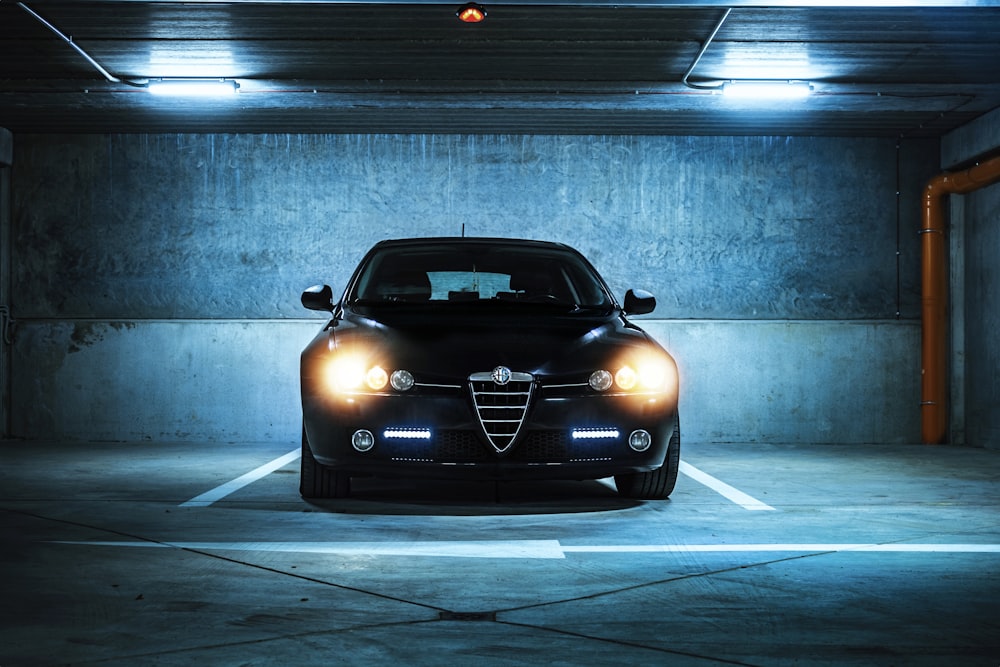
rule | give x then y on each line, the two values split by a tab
319	481
655	484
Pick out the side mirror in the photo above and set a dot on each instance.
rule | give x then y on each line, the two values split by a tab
318	297
639	302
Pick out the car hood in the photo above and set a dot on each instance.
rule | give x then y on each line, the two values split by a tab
457	345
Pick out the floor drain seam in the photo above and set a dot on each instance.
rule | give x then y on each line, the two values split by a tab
659	582
619	642
235	561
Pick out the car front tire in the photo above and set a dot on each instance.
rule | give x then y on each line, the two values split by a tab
317	480
655	484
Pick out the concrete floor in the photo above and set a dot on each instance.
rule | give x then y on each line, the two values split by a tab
874	555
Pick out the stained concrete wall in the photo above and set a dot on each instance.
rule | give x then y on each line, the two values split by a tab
6	158
982	318
974	231
156	277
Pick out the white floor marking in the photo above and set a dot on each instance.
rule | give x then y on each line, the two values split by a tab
546	549
720	487
444	549
608	482
220	492
786	548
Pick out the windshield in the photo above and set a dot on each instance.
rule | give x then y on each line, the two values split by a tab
478	273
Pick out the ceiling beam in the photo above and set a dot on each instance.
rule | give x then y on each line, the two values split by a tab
588	3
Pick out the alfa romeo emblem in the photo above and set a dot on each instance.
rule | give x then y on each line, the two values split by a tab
501	375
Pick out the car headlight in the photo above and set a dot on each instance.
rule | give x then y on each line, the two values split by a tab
651	374
349	372
600	380
346	373
626	378
401	380
376	378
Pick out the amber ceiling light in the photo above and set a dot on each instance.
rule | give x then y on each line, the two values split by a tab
471	13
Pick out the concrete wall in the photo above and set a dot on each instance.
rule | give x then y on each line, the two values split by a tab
6	158
982	318
156	277
975	235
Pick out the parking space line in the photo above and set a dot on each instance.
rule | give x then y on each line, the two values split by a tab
220	492
538	549
723	489
783	548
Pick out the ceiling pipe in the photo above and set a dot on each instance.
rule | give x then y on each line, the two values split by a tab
934	287
704	47
69	41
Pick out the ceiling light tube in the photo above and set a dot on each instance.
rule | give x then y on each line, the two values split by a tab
770	90
193	87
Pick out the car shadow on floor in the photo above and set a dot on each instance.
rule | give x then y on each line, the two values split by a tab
452	498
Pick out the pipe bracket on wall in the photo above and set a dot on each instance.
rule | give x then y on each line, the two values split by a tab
6	325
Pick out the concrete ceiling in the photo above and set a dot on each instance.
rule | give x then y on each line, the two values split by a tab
529	68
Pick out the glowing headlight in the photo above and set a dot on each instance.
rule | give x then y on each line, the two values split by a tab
643	374
626	378
652	375
376	378
346	373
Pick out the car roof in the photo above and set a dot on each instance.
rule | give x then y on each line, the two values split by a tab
471	240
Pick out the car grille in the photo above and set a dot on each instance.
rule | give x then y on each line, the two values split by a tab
446	446
558	447
459	446
501	407
543	446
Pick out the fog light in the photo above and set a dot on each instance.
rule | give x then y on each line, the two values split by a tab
640	440
363	440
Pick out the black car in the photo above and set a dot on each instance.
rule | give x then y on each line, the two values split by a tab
479	358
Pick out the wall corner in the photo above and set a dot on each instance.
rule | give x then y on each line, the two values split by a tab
971	141
6	147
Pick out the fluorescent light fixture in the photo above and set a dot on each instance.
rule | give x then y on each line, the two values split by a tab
767	90
193	87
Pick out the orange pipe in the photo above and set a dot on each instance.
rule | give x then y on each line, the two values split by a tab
934	285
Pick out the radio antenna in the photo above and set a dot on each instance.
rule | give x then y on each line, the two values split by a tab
463	230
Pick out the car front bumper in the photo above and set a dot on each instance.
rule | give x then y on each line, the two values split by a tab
579	437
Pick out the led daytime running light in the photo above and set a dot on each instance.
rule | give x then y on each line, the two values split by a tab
594	433
408	433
